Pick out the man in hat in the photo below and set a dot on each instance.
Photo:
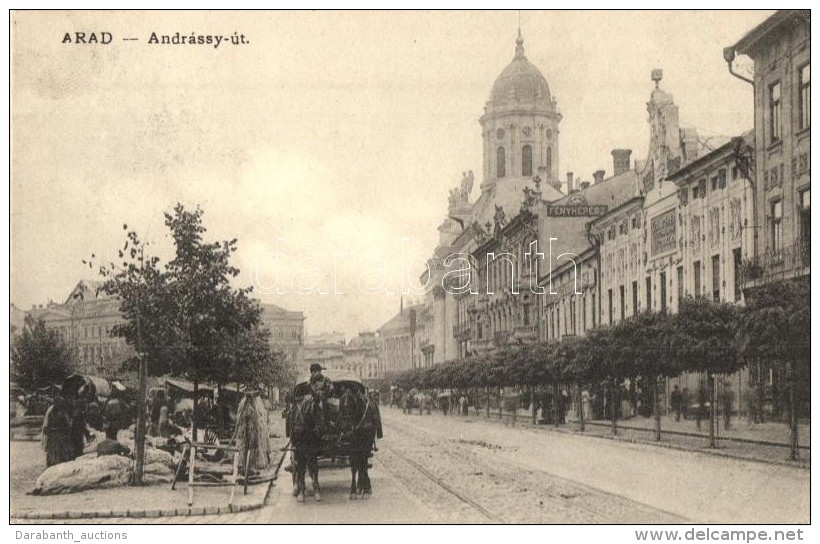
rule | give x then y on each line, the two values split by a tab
318	382
321	387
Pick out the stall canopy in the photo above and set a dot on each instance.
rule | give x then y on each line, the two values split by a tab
184	388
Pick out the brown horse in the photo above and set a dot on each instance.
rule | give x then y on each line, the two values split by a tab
305	427
359	426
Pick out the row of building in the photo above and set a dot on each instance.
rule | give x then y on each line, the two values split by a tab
684	220
85	319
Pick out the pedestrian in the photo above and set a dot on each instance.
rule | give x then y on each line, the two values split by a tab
676	399
79	427
114	417
685	400
462	402
563	405
586	404
56	433
727	399
702	404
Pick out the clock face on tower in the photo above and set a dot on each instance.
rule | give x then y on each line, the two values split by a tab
527	132
500	134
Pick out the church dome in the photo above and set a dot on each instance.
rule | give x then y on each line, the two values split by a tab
520	83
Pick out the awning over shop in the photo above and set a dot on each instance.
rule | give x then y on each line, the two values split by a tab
186	388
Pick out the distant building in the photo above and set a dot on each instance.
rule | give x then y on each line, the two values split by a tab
287	329
403	341
17	319
359	357
85	319
324	349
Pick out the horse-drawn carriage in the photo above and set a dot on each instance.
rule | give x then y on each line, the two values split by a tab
331	417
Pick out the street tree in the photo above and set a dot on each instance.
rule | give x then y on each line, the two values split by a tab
709	334
39	357
184	318
776	327
141	287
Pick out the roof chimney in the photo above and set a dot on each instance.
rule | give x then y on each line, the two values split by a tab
584	185
620	160
570	182
598	176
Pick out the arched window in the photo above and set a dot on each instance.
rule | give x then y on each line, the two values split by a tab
526	160
500	163
549	161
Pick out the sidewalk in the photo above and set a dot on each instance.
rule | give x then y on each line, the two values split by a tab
27	461
764	442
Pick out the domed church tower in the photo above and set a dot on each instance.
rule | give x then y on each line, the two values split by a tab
520	125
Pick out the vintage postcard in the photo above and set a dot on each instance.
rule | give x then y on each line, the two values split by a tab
411	267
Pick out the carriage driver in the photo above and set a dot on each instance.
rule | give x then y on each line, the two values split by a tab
321	387
320	384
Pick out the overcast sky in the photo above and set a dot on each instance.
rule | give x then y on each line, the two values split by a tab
339	134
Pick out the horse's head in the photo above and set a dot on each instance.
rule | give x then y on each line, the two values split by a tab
306	414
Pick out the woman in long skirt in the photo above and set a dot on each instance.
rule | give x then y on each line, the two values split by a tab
57	430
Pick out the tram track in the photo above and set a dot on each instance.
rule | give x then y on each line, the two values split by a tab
558	499
438	481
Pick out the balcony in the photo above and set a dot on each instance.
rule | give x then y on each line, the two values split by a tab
527	332
462	331
789	261
503	337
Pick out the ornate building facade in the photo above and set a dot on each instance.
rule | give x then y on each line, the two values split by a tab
780	164
481	257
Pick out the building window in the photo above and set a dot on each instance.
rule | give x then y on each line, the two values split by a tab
683	196
594	319
549	162
526	160
583	314
663	291
721	177
680	284
634	298
805	96
609	295
623	303
500	163
774	112
716	278
649	294
696	271
737	264
805	225
776	218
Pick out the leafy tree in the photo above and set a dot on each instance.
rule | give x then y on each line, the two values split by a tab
709	335
39	356
776	327
185	318
146	307
208	312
